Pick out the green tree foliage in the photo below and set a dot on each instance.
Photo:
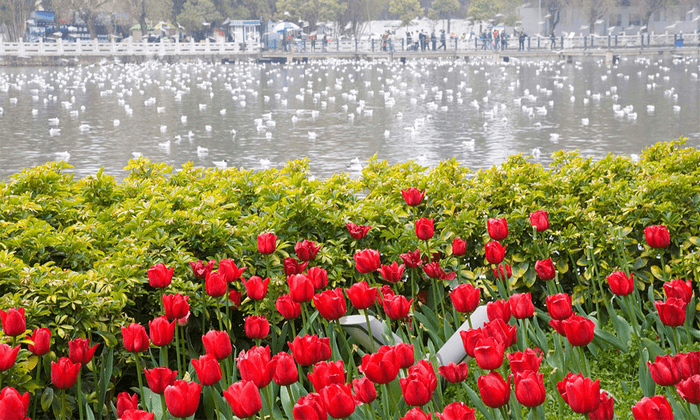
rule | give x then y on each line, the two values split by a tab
198	15
443	9
484	10
13	17
406	10
358	12
312	11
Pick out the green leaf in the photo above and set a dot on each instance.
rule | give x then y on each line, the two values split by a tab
46	398
110	339
476	401
656	272
645	381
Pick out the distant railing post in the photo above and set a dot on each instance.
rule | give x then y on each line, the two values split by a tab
337	44
538	42
355	44
609	40
456	44
592	40
642	40
372	45
562	42
615	40
476	44
585	42
528	43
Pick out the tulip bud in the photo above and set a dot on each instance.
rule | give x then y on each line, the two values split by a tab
497	228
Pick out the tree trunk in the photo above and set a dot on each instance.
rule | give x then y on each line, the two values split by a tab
142	20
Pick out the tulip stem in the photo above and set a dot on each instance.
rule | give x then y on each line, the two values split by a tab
80	396
216	402
138	375
218	313
504	412
675	339
64	404
270	403
164	406
369	329
304	318
177	347
204	304
353	367
164	356
228	309
290	393
38	380
391	396
539	412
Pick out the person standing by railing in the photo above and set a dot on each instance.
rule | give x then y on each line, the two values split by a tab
443	43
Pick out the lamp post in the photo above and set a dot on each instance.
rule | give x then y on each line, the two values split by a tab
539	17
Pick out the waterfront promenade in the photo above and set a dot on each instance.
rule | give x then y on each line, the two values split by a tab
67	53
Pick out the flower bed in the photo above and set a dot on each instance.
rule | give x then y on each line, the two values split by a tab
574	265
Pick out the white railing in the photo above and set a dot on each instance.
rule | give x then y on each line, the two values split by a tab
95	48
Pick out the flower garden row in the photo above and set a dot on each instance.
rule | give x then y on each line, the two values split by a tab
272	342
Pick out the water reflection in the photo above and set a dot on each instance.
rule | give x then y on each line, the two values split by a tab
479	112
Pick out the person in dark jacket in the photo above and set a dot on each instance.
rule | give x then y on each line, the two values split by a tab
433	40
443	40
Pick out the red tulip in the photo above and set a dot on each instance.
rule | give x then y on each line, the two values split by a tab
301	289
582	394
434	271
8	356
688	364
182	398
137	415
671	312
307	250
416	414
367	261
529	388
217	344
579	330
545	269
540	220
13	322
126	402
284	371
175	306
502	271
404	355
331	304
41	337
465	298
494	391
392	273
229	270
244	399
454	373
215	284
397	306
256	287
310	349
664	371
256	327
380	367
255	366
208	369
459	247
64	374
469	339
135	338
79	351
413	196
200	270
326	373
364	389
559	306
160	378
497	228
424	228
605	410
620	284
318	277
159	276
411	259
488	353
657	236
357	231
652	408
502	332
679	289
521	305
558	326
689	389
234	296
292	266
456	411
287	307
499	309
267	243
494	252
338	400
13	405
415	391
310	407
524	361
186	320
361	295
162	331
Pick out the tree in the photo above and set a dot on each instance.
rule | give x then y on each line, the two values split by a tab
13	17
406	10
311	11
358	12
648	7
198	15
87	10
595	9
484	10
443	9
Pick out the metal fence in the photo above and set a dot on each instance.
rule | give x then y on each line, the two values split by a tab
96	48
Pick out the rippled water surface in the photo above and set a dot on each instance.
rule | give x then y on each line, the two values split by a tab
332	112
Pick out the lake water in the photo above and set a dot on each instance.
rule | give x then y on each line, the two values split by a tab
332	112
